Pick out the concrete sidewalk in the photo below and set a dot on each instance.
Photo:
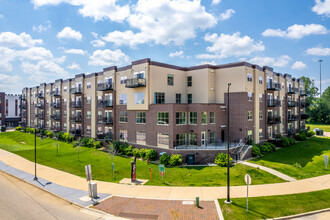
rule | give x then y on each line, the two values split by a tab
162	192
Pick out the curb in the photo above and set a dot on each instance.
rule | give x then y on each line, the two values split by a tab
303	214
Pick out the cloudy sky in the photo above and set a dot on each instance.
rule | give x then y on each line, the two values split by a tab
44	40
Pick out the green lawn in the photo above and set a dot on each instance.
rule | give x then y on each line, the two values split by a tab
277	206
300	161
324	127
101	166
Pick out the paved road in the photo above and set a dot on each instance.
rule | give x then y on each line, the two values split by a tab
20	200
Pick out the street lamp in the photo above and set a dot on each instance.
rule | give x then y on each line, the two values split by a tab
320	77
228	144
35	153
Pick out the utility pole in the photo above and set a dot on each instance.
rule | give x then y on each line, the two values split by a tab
228	145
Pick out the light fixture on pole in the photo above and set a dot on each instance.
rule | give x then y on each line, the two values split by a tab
35	153
320	77
228	153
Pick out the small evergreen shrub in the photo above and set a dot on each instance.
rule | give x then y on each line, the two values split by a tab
175	160
256	151
152	154
136	152
221	159
164	159
50	134
310	133
19	128
300	137
143	153
129	150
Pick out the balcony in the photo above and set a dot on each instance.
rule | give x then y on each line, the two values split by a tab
303	93
104	86
24	114
273	103
40	95
103	104
76	90
273	86
55	128
273	136
292	131
105	136
77	118
75	132
76	104
55	93
292	104
293	90
304	104
56	117
273	119
304	116
41	126
23	97
40	105
292	117
40	115
23	106
133	83
107	120
55	105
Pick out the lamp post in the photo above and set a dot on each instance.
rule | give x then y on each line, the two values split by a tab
35	155
228	145
320	77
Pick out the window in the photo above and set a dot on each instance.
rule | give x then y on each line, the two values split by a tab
163	140
249	96
89	100
64	113
212	118
260	97
189	81
249	134
88	114
65	88
178	98
249	115
123	117
181	118
140	117
141	137
260	79
159	98
162	118
249	77
139	98
89	85
139	75
123	135
123	80
204	118
88	129
189	98
212	137
123	99
260	115
192	118
192	139
180	139
170	79
260	132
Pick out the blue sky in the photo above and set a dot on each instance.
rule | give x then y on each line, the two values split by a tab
44	40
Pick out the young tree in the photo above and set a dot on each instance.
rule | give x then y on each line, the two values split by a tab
112	151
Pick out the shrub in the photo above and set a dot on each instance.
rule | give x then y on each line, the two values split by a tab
50	134
300	137
250	141
221	159
97	144
19	128
152	154
136	152
67	137
265	148
310	133
256	151
143	153
272	146
116	145
292	141
164	159
175	160
122	148
283	142
129	150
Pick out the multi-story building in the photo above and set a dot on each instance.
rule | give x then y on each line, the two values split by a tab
170	107
10	111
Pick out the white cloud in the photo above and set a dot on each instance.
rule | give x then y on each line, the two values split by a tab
296	31
10	39
108	57
125	38
318	51
298	65
224	46
34	53
76	51
7	55
74	66
209	62
215	2
6	82
177	54
97	43
97	9
42	28
1	16
281	61
69	33
227	14
322	7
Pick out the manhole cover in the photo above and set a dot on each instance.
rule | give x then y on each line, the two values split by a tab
187	202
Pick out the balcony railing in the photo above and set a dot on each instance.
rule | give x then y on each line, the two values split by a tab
24	114
304	104
292	90
107	120
40	115
76	118
40	95
292	104
304	116
273	119
292	131
55	93
292	117
23	97
132	83
76	90
105	136
55	128
104	86
303	93
273	136
273	103
76	104
41	126
55	105
55	117
75	132
23	106
105	103
40	105
273	86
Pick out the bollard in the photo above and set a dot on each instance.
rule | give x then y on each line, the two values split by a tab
197	201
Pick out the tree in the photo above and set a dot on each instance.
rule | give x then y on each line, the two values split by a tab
311	92
320	111
112	151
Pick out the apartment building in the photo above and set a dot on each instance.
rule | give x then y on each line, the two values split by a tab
154	104
10	111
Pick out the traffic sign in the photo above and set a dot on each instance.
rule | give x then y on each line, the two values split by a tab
161	168
248	179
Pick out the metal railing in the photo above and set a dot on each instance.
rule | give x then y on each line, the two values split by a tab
104	86
292	90
132	83
55	105
292	104
55	93
273	119
292	117
273	103
76	90
273	86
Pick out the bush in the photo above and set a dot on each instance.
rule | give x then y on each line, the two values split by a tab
164	159
272	146
221	159
292	141
143	153
265	148
256	151
19	128
136	152
250	141
50	134
129	150
122	148
152	154
175	160
300	137
310	133
116	145
96	144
